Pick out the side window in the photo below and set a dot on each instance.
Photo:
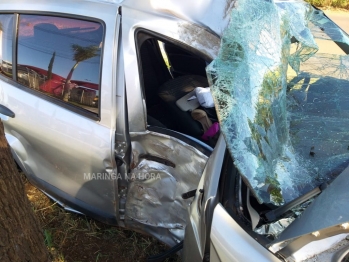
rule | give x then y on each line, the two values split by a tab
6	32
61	58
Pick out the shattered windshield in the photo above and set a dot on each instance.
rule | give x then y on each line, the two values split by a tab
281	90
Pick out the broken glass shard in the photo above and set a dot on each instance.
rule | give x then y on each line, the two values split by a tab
282	98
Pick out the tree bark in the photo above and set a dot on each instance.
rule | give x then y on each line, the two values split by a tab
21	238
67	89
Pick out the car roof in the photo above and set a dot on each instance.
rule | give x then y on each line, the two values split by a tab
95	8
212	14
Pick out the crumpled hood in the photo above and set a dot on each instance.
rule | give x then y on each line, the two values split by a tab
282	106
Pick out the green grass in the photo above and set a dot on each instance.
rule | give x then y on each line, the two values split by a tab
48	238
330	3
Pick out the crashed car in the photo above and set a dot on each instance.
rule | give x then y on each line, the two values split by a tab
97	102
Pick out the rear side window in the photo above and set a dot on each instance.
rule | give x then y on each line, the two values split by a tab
61	58
6	32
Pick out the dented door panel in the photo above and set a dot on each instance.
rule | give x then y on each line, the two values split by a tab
162	169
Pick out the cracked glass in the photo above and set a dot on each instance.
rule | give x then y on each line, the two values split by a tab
281	90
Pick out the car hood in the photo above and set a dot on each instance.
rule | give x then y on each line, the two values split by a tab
330	206
282	101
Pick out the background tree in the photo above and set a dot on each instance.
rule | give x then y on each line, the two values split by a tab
50	66
81	53
21	238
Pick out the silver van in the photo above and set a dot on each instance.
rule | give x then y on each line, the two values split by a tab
89	95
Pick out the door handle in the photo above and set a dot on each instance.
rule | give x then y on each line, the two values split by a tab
7	112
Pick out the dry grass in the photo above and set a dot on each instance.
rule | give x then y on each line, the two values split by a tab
330	3
72	237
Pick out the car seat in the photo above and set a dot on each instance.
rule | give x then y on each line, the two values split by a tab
173	90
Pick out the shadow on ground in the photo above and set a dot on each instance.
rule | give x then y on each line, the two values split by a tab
71	237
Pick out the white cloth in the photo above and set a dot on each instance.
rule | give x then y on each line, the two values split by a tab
204	96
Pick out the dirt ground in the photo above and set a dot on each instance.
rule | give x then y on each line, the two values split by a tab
70	237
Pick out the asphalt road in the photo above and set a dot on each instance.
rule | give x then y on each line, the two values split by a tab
341	18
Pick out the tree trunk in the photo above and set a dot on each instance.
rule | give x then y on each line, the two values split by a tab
50	66
21	238
66	89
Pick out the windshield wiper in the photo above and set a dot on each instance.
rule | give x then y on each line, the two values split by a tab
282	211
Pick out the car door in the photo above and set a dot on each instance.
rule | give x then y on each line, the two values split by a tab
230	242
58	79
212	234
197	232
163	163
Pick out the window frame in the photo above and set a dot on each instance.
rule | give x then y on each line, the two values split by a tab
165	39
13	42
14	81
